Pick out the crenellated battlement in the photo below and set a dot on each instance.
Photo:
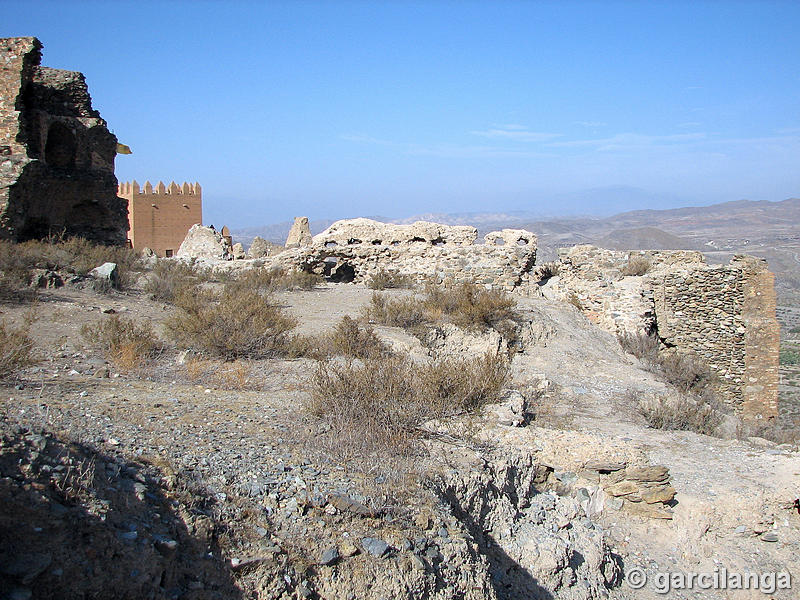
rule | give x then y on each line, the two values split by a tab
160	215
127	189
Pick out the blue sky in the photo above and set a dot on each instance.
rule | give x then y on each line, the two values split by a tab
343	109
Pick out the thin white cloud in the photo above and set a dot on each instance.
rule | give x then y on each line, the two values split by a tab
516	133
591	123
624	141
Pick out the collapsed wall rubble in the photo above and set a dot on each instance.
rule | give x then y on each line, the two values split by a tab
723	313
56	153
358	249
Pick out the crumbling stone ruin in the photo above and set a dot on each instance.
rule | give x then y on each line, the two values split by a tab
355	250
205	243
299	234
160	216
723	313
56	153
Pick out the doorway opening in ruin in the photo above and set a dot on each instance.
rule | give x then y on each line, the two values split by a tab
60	149
342	272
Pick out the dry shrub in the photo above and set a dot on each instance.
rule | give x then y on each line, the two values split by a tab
465	305
469	305
638	265
378	404
575	301
16	350
349	338
237	322
687	371
224	375
407	312
73	255
169	278
278	280
122	341
384	280
681	413
643	346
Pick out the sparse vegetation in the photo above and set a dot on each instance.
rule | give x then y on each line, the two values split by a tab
466	305
16	350
122	341
687	371
350	338
406	312
71	255
790	355
682	413
169	278
575	301
638	265
238	322
383	280
278	280
379	403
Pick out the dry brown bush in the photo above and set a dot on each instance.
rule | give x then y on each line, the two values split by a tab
384	280
237	322
643	346
278	280
465	305
225	375
469	305
350	338
169	278
681	413
407	312
575	301
73	255
16	350
122	341
637	265
378	404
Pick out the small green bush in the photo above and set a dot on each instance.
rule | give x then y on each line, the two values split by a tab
789	356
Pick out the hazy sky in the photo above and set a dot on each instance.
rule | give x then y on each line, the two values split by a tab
341	109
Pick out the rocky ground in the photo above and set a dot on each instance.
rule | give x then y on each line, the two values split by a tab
186	478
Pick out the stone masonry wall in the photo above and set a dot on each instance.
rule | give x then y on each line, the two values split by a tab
161	216
355	250
56	153
724	313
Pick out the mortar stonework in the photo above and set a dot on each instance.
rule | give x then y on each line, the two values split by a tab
56	153
723	313
160	216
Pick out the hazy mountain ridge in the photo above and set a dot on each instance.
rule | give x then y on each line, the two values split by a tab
762	228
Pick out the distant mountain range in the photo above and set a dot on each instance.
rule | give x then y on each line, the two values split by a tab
770	230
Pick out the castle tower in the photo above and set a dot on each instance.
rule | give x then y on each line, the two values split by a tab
160	217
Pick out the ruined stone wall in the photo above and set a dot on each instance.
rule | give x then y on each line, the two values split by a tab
357	249
161	216
723	313
56	153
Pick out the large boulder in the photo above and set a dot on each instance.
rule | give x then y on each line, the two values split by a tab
205	242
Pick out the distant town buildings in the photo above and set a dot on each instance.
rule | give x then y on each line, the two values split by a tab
160	217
